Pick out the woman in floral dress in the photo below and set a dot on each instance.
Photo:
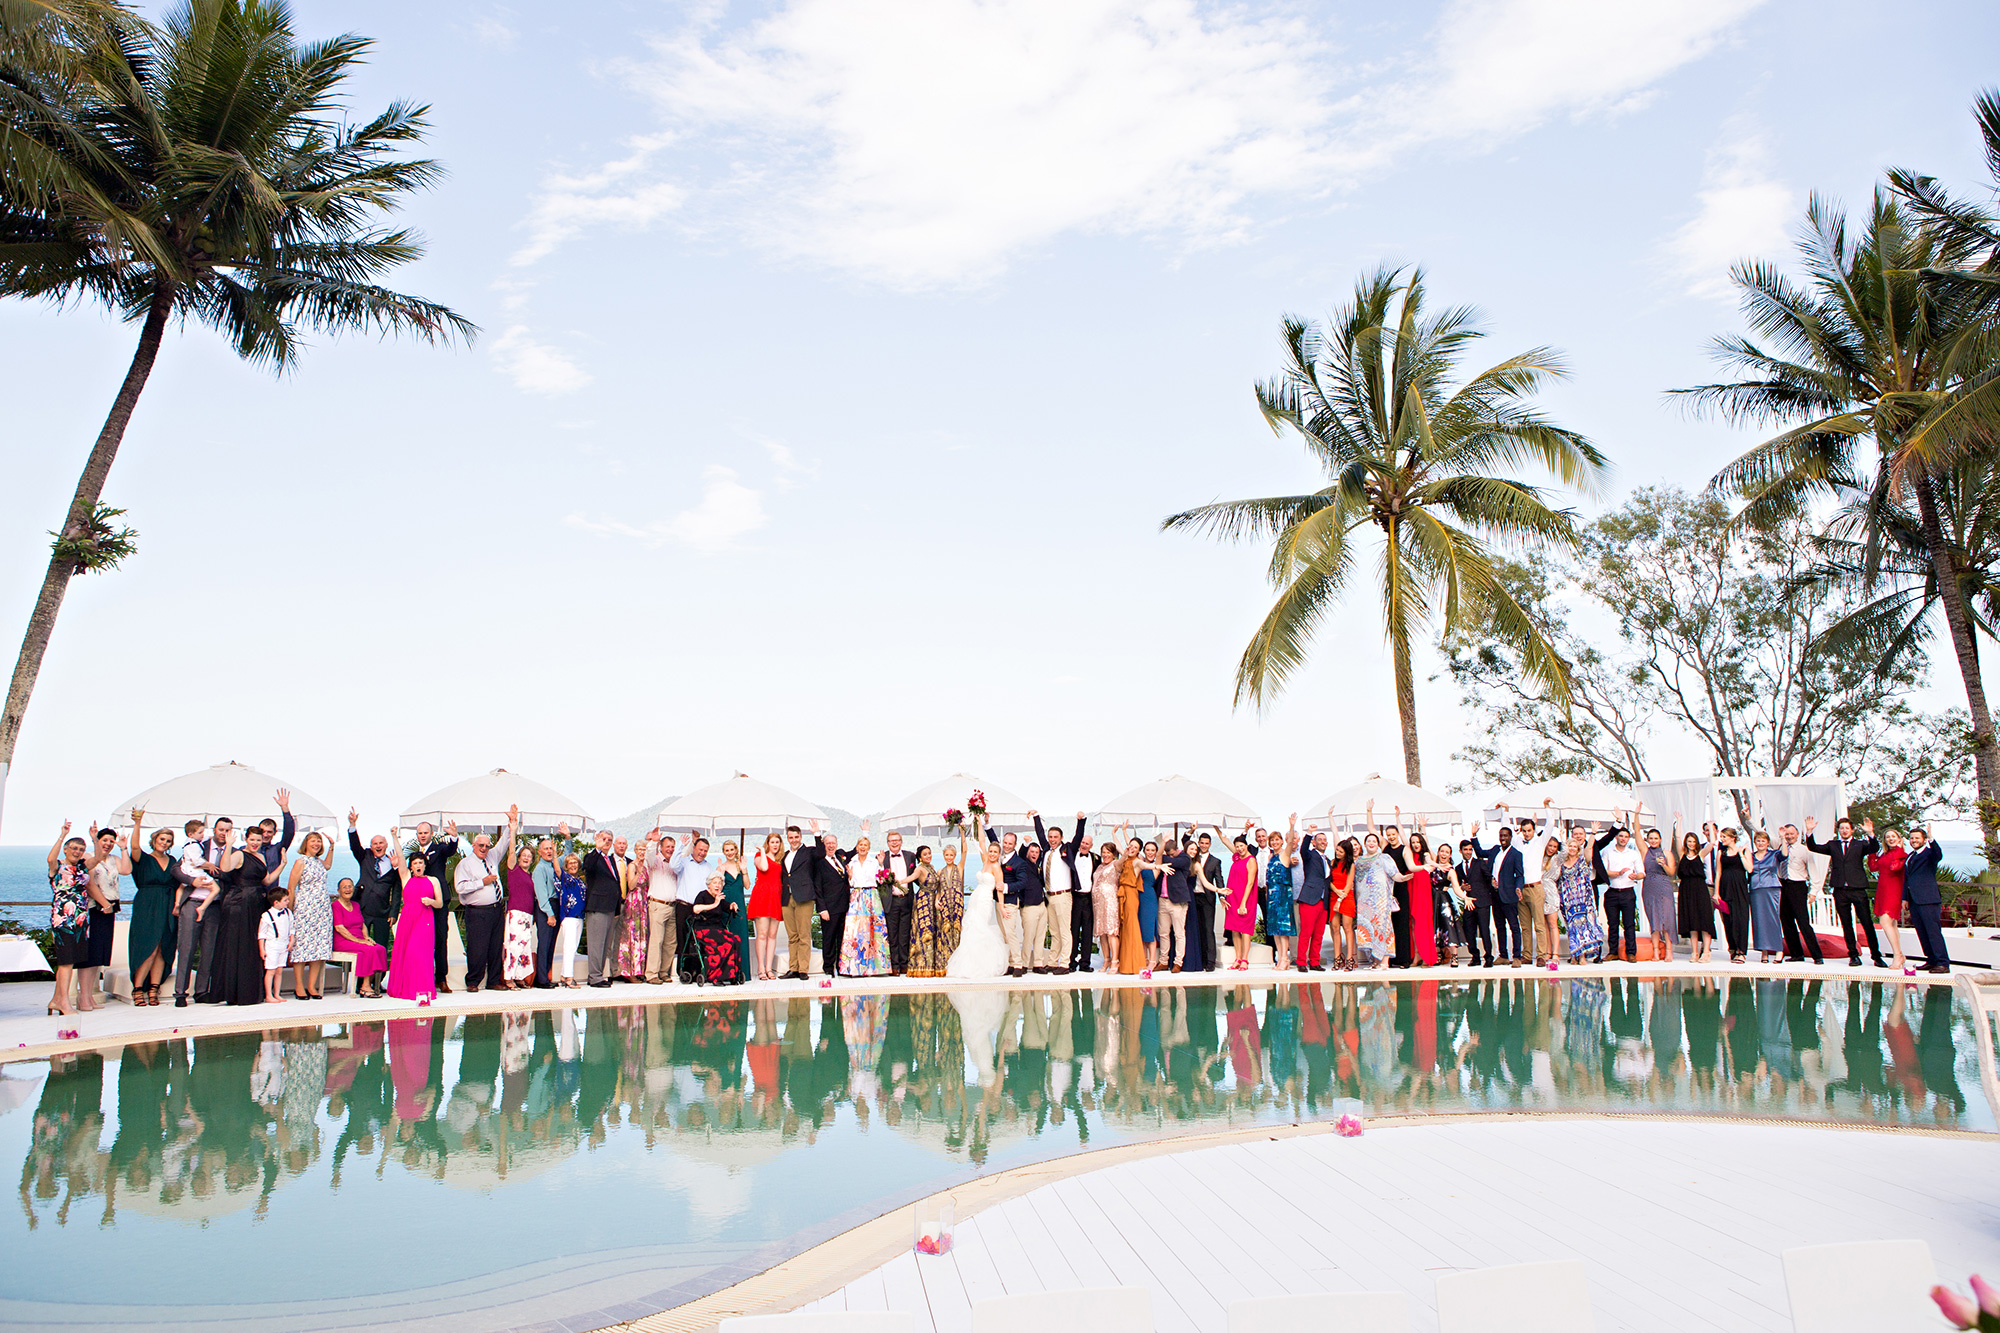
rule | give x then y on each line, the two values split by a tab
69	916
1374	889
864	950
631	958
312	917
1579	904
939	914
517	949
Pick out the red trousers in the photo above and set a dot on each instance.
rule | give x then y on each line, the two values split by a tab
1312	932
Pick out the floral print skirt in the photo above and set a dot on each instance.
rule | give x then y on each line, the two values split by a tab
517	950
864	950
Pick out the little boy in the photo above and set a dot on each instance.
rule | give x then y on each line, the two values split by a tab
274	939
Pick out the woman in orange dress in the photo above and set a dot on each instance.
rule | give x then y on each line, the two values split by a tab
1131	949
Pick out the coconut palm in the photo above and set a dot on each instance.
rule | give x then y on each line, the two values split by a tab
195	170
1886	382
1411	460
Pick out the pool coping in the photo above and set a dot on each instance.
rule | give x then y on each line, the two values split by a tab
822	1269
210	1020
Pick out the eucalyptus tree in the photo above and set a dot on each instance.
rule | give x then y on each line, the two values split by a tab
1419	472
198	169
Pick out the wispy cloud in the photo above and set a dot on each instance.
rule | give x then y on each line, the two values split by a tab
1742	212
787	470
926	146
495	29
536	367
727	511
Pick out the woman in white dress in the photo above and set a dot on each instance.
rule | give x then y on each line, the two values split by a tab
982	949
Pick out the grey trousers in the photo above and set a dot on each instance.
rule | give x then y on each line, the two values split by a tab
597	942
189	930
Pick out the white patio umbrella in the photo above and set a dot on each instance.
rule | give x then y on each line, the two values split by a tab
1349	805
1568	797
484	800
232	789
743	804
924	808
1171	802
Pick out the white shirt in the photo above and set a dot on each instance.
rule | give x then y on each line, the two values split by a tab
192	856
1532	860
1058	872
662	884
1624	867
276	930
471	870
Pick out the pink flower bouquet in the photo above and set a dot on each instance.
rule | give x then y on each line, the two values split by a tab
1981	1310
1348	1126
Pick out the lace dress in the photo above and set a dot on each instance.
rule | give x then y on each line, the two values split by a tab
312	914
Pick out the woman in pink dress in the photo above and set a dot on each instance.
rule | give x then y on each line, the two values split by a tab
413	962
632	933
410	1063
1423	912
350	936
1239	902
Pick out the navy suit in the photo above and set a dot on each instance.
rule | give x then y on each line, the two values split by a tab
1509	873
1920	886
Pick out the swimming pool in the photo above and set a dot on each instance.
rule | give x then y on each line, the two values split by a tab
578	1167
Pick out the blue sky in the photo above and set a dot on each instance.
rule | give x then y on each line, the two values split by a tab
841	358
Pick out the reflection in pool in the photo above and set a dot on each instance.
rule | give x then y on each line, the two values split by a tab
508	1169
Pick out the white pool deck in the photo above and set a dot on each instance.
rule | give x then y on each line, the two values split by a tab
1680	1224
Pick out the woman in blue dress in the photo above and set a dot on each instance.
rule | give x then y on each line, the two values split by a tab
1280	923
1766	933
1579	904
1152	879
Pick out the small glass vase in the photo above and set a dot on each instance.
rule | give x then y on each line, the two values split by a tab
931	1226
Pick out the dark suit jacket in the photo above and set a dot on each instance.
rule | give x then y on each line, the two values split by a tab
909	868
1477	876
829	878
603	882
374	894
1920	875
1850	860
1507	869
797	878
1598	874
1211	866
1314	886
1022	878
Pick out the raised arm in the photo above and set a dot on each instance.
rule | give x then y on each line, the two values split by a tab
55	852
513	826
288	826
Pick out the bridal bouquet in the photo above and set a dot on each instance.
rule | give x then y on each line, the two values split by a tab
885	880
975	804
954	818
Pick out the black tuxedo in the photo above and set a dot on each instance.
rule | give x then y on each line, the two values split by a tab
1848	879
1476	874
374	894
898	909
829	879
1203	912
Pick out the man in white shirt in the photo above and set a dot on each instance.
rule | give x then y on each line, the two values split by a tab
1532	839
1794	893
477	880
691	871
662	926
1625	866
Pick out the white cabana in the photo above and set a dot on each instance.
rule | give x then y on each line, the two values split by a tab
232	789
1565	799
924	808
483	801
1171	802
742	803
1394	802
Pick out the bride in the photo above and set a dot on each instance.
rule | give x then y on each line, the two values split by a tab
982	950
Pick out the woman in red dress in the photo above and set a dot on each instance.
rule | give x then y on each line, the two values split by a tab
1888	867
1340	882
1423	912
766	905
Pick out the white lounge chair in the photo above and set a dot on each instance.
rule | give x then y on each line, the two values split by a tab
1869	1286
823	1321
1086	1310
1519	1298
1323	1312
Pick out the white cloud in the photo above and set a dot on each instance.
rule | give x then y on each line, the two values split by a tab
537	367
493	30
608	196
1743	212
927	145
726	511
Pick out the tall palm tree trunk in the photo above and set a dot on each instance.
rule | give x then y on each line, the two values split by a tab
1406	707
1958	618
82	509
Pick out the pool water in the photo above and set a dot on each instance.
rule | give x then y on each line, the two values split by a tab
501	1171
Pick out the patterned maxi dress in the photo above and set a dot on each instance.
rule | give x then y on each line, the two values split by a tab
1278	917
1374	931
936	921
69	913
1579	908
631	958
312	914
864	949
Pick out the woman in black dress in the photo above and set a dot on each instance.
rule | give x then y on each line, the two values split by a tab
1733	889
239	965
1692	903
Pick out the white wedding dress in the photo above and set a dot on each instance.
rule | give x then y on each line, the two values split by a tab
982	949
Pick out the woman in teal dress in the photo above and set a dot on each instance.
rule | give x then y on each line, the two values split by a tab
1152	879
150	937
1279	922
735	887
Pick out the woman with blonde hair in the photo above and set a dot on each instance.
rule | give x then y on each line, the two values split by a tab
736	891
767	904
312	916
864	946
1104	902
569	910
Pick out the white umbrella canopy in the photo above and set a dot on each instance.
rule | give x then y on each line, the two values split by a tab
1568	797
1175	800
232	789
925	807
484	800
1348	807
741	803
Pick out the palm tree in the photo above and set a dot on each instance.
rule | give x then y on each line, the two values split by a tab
1409	456
198	169
1887	382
